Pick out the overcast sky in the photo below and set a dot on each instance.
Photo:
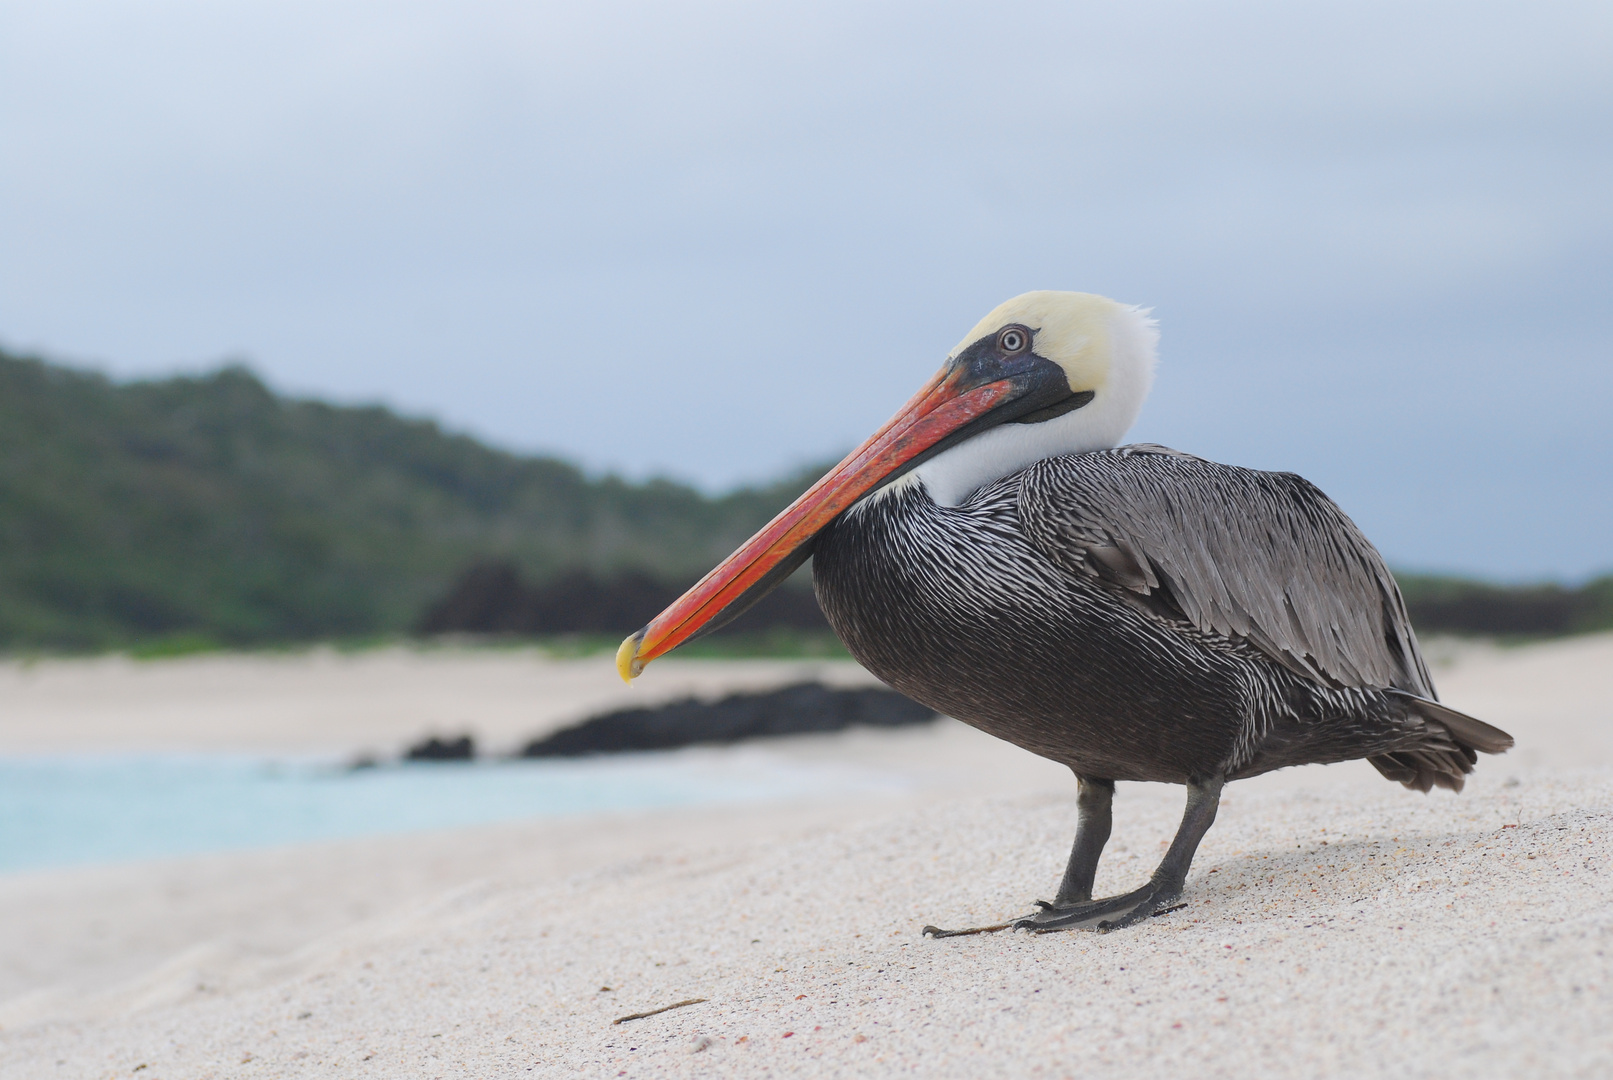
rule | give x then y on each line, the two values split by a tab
718	240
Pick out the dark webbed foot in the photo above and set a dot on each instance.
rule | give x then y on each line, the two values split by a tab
1074	909
1110	913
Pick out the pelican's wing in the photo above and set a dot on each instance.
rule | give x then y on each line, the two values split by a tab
1257	555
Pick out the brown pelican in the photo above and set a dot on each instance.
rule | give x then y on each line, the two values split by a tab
1133	612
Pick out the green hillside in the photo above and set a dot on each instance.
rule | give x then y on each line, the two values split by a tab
212	510
212	507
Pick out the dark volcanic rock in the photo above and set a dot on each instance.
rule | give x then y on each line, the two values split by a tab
491	598
794	710
435	749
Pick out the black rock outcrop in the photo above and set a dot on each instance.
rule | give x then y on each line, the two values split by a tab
435	749
492	598
794	710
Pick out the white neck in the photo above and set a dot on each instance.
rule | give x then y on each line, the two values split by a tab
953	475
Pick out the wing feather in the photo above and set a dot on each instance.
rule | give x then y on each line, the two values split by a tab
1244	554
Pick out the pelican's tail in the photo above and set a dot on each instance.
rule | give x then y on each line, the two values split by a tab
1451	751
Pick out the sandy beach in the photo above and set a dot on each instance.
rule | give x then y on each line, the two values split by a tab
1337	925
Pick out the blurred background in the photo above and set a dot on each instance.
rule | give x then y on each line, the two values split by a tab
325	320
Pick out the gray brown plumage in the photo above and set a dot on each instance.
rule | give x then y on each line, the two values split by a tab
1142	614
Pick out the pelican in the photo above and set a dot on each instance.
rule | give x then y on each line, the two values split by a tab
1133	612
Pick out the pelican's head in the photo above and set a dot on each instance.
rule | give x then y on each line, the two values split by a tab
1046	373
1105	354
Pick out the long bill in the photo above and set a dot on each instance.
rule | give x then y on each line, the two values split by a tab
944	407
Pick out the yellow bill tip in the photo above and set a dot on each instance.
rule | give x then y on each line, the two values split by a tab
628	665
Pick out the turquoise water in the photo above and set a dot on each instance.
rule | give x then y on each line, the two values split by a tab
64	810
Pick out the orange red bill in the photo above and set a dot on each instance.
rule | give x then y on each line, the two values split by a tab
935	412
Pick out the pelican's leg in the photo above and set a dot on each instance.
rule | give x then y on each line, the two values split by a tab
1162	890
1093	821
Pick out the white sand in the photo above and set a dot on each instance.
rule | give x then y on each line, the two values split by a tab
1338	925
324	701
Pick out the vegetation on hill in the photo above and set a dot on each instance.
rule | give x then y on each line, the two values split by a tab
1458	606
211	507
211	510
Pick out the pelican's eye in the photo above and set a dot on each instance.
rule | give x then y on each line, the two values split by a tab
1013	339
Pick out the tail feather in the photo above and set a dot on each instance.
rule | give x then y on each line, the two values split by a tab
1463	728
1449	754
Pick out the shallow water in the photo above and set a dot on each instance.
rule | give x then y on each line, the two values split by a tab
62	810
